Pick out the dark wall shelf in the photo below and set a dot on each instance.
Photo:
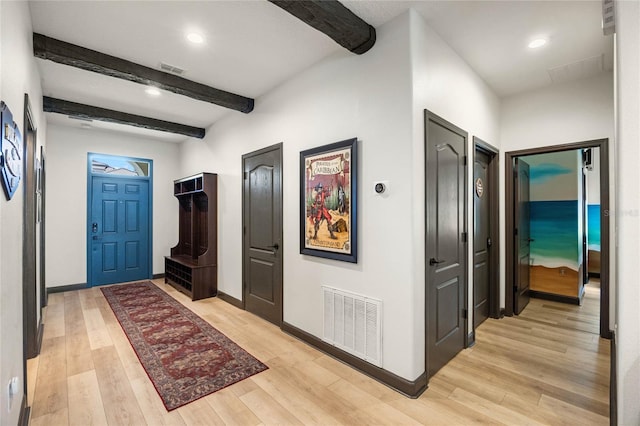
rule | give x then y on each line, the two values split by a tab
192	266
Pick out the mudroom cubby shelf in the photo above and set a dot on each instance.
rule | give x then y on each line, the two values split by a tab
192	266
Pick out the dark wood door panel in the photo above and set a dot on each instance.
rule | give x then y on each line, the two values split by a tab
261	280
481	293
262	223
448	308
523	235
482	232
448	227
260	205
446	257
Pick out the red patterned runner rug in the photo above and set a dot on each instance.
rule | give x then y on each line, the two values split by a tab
184	356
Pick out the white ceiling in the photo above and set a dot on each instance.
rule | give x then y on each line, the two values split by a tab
253	46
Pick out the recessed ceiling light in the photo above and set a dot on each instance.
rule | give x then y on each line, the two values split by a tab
152	91
195	38
539	42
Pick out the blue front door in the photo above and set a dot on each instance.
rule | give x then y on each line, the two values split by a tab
119	230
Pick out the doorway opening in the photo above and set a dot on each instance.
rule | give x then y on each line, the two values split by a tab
561	252
32	296
32	309
119	219
486	250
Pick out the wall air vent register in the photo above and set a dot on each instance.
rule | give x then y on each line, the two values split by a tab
352	322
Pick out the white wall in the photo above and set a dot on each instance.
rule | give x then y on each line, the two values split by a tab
562	186
593	178
334	100
343	96
562	113
576	111
2	289
19	76
445	85
369	97
628	209
66	212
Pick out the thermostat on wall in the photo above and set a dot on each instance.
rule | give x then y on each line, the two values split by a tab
381	187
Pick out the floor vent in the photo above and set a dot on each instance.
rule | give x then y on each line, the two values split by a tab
352	322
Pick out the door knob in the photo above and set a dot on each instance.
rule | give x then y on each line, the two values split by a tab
434	261
275	246
94	227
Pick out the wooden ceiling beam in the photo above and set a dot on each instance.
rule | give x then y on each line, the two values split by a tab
89	112
335	20
80	57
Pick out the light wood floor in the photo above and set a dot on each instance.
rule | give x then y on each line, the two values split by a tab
546	366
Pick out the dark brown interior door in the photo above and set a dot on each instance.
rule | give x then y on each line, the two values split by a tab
262	224
32	309
446	256
523	236
481	241
43	289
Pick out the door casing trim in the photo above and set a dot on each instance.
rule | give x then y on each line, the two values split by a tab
31	306
88	210
494	223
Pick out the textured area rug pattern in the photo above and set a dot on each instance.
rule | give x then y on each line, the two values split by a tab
184	356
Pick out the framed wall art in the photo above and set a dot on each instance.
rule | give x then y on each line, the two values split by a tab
10	152
328	202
